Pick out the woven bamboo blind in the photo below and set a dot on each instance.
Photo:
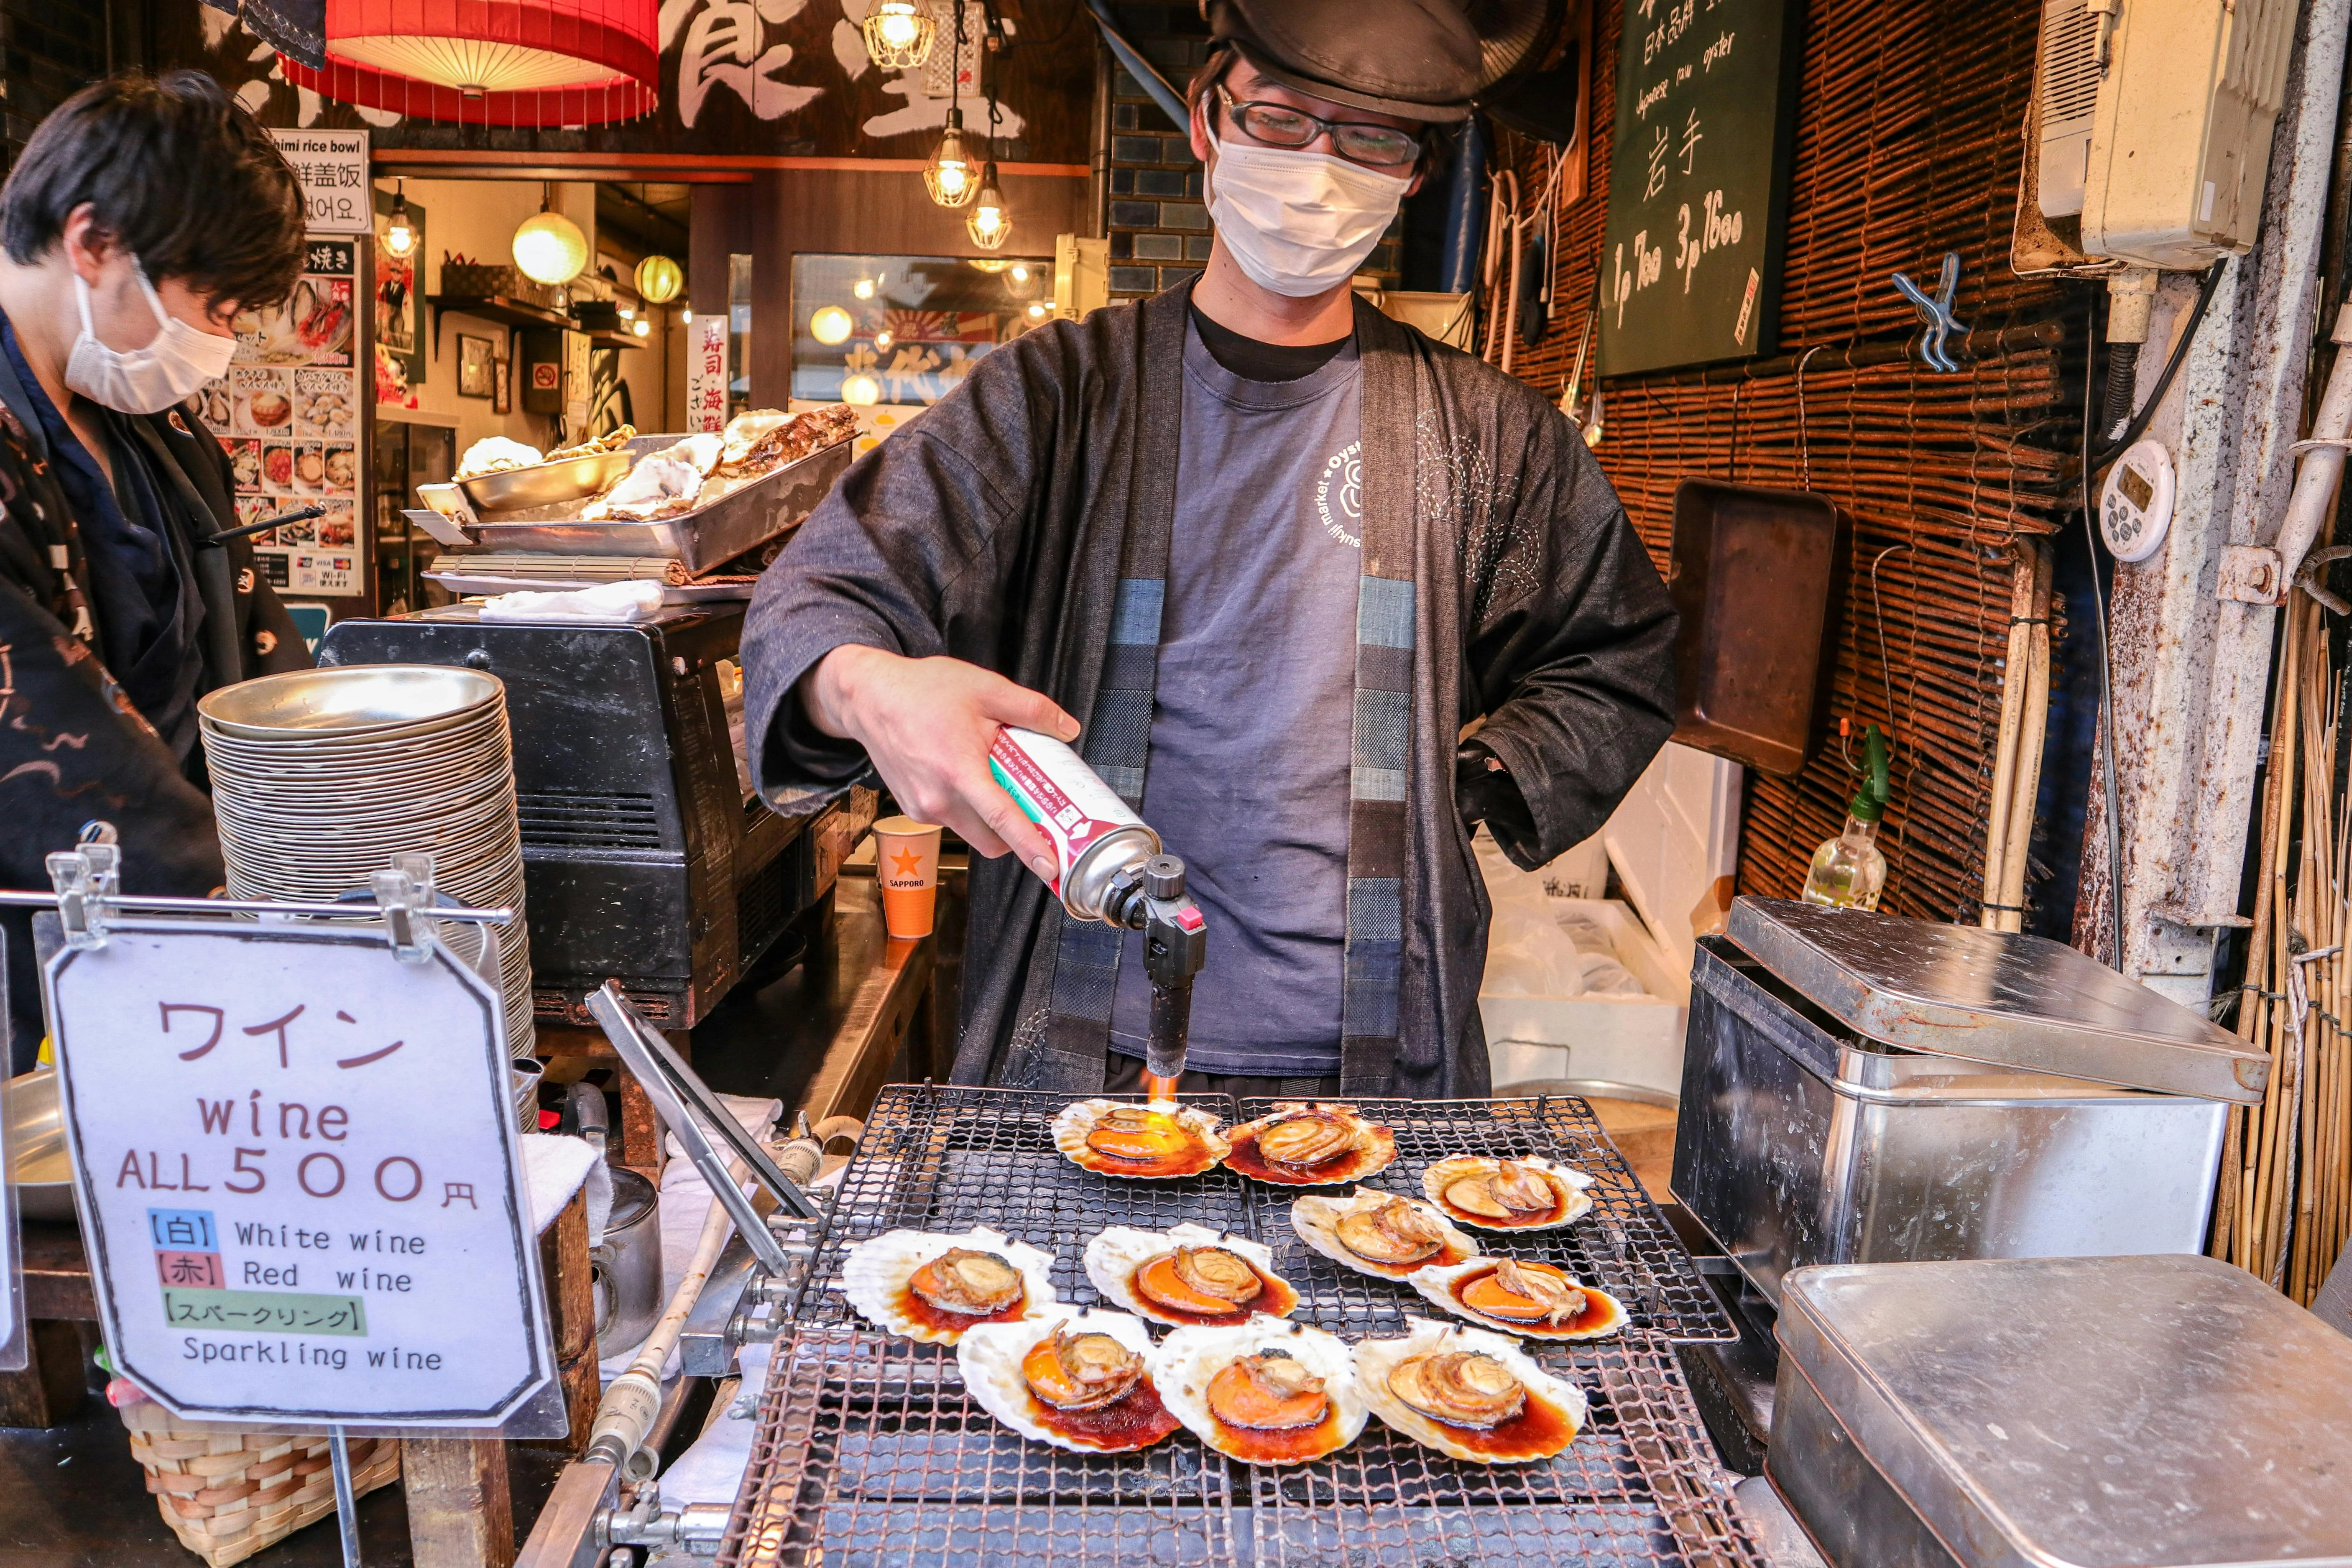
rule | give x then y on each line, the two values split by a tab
1907	145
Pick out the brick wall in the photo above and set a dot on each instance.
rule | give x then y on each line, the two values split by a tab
1157	227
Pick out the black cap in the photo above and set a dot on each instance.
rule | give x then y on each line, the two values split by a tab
1417	59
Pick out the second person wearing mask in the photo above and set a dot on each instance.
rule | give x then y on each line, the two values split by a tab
1278	551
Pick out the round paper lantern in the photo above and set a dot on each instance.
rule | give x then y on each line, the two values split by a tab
492	62
831	324
549	248
659	279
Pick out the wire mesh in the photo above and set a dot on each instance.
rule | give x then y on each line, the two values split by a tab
1623	1245
869	1450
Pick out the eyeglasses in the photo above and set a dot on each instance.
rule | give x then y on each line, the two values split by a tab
1280	125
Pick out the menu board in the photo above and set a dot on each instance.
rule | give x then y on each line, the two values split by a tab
289	412
1690	266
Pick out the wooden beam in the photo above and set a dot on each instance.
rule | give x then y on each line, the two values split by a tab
460	1514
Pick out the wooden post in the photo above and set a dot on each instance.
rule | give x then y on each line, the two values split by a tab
571	1320
460	1514
49	1392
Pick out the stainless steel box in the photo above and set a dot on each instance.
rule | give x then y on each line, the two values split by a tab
2062	1412
1808	1136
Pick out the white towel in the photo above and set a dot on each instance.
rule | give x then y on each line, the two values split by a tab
554	1168
639	599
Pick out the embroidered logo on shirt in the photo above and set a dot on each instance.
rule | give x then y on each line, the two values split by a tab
1340	495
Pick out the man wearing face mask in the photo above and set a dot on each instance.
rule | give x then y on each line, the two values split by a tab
1281	553
140	217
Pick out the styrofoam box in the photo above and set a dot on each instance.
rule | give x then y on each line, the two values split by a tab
1632	1041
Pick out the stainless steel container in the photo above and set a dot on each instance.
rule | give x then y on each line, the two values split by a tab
625	1267
1862	1089
2062	1412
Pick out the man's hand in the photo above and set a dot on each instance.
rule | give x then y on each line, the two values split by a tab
928	723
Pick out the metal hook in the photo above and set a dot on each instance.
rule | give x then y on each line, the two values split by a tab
1936	313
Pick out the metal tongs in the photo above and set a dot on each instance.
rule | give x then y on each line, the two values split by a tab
689	1109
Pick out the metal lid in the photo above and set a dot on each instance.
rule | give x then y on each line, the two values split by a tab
1994	996
2088	1412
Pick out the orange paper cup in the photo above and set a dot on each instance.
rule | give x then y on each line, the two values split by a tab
906	864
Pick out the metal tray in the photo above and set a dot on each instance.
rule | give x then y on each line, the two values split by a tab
1751	576
2064	1412
545	484
702	540
1994	996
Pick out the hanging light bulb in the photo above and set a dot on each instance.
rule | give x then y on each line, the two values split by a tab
861	390
863	287
882	341
642	327
948	176
897	35
991	223
399	229
549	246
831	324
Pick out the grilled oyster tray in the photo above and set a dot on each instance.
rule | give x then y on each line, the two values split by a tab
871	1451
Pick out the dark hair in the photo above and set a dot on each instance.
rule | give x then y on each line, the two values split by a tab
1436	141
174	171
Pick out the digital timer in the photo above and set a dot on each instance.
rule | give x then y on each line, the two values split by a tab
2136	502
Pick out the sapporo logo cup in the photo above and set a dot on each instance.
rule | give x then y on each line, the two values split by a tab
906	864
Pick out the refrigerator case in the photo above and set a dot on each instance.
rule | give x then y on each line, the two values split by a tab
294	413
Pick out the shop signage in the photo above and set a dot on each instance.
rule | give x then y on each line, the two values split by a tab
1690	266
298	1169
332	166
706	386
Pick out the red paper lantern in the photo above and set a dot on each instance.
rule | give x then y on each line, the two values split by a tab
492	62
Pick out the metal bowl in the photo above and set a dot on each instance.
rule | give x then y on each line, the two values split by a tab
39	1166
546	484
348	699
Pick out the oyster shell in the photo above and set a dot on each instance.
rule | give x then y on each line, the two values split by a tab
1117	1256
1325	1224
878	1277
1303	1143
1378	1362
1438	1286
1189	1361
1121	1138
992	1355
1530	1194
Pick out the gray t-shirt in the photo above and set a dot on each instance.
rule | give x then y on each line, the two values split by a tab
1251	733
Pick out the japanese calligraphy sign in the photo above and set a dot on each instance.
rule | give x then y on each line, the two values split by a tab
296	1166
333	168
1690	266
705	373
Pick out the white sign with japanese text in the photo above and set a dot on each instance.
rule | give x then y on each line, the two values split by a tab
705	367
332	166
296	1164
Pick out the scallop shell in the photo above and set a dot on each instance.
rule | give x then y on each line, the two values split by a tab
991	1357
1375	1359
1113	1256
1316	1221
1566	1181
875	1272
1437	1285
1073	1121
1188	1358
1359	1166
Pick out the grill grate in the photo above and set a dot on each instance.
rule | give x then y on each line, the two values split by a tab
1623	1245
870	1452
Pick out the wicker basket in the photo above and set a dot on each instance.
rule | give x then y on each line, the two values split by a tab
228	1491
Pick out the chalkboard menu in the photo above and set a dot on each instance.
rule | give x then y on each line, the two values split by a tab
1690	271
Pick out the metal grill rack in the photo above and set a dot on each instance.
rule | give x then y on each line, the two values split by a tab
870	1452
1623	1245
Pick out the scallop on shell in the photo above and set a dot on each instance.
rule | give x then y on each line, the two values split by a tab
1604	1315
875	1273
1568	1184
1317	1220
1073	1123
1514	1442
989	1357
1113	1256
1188	1358
1372	1150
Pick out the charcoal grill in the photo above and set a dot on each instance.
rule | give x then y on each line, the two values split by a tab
869	1451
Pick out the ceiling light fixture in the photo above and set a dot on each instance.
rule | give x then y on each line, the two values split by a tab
549	246
400	229
899	34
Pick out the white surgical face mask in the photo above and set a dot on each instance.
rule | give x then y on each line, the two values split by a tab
1298	223
150	380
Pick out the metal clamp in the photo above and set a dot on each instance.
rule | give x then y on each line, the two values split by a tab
1936	313
88	879
694	1529
404	894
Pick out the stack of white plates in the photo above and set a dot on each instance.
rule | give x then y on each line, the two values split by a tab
319	777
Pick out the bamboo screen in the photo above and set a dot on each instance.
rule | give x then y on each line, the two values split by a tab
1907	145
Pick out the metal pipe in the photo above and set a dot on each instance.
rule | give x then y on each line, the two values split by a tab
2323	459
1154	84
